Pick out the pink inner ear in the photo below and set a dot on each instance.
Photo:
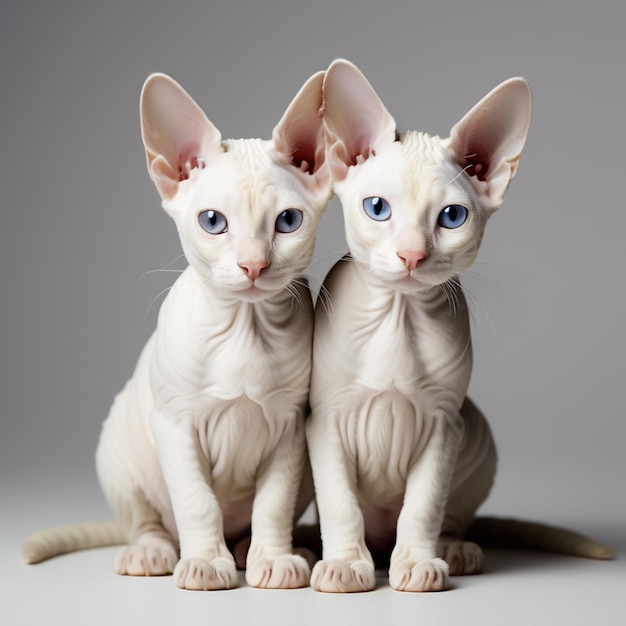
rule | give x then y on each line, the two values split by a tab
189	159
355	117
476	147
477	163
299	133
306	143
303	156
489	139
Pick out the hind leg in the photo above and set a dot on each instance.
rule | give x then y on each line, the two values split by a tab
152	551
472	481
126	462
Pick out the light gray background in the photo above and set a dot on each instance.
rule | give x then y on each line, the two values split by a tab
82	226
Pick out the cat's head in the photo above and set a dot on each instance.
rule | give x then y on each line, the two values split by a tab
247	209
415	206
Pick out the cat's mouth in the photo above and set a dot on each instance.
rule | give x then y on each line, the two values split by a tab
253	293
408	281
262	287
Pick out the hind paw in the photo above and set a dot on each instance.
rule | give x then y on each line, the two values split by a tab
146	560
462	557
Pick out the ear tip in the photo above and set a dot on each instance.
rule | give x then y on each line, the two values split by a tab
523	95
340	61
520	85
316	81
157	81
344	79
342	67
157	77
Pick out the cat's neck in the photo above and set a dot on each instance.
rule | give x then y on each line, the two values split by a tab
376	326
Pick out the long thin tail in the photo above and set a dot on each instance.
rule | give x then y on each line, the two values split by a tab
513	533
44	544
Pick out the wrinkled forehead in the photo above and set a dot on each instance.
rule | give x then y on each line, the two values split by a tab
431	169
247	176
419	168
425	158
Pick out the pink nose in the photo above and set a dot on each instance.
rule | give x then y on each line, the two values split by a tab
253	269
411	258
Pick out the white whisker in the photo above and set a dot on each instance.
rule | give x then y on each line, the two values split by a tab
154	300
449	288
314	284
159	271
475	309
491	284
324	299
165	269
458	175
297	297
327	258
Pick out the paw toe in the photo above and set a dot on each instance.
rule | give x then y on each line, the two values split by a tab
342	577
286	572
463	558
430	575
145	561
201	575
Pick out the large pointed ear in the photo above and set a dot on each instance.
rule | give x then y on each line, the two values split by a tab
176	133
488	141
356	120
299	135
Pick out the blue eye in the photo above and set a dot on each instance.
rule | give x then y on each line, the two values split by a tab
377	208
213	222
289	221
452	216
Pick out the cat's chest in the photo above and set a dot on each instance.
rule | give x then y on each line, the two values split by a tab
386	353
230	351
405	347
383	340
228	360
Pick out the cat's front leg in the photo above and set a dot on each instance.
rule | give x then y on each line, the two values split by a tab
414	563
205	561
347	565
271	563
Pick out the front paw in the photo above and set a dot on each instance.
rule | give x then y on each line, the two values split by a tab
341	577
289	571
201	575
429	575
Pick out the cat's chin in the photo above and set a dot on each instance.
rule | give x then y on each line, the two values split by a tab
407	284
253	294
411	286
